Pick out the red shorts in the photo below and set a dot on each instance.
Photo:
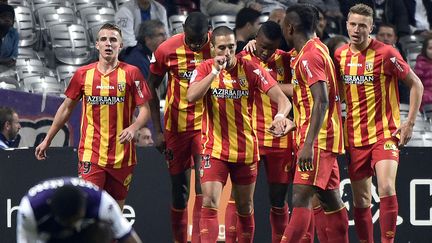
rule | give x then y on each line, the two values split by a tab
325	173
278	163
362	160
213	169
115	181
180	148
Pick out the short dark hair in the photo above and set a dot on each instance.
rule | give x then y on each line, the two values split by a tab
246	15
197	22
221	31
67	201
6	115
362	9
306	19
7	9
387	25
271	30
148	28
110	26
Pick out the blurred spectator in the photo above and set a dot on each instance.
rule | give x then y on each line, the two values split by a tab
10	126
423	69
322	23
387	33
269	5
227	7
131	14
150	35
181	7
9	37
387	11
143	138
246	26
420	16
277	15
335	42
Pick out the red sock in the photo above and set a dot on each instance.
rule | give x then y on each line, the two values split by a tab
245	228
196	218
337	226
363	224
209	225
298	225
320	224
309	236
179	224
388	218
278	221
231	222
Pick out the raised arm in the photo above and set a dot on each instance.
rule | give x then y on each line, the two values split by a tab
61	117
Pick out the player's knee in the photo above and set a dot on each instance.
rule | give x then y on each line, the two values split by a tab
245	208
210	202
302	196
277	196
386	189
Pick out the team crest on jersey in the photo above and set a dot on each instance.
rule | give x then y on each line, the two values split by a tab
128	180
280	70
369	66
121	87
390	145
242	82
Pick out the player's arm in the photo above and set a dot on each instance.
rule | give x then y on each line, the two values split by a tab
199	86
154	82
280	125
287	89
416	93
129	133
319	108
61	117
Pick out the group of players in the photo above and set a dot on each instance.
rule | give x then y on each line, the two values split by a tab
225	111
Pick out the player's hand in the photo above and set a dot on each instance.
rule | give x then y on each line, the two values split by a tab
305	158
160	143
127	135
282	127
250	47
40	151
219	63
405	131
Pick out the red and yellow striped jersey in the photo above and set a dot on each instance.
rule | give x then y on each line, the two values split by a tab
264	108
108	104
227	132
311	65
176	58
371	91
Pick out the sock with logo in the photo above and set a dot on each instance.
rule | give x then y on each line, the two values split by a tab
279	220
388	218
309	236
298	225
179	224
245	228
363	224
196	218
209	225
231	222
337	226
320	224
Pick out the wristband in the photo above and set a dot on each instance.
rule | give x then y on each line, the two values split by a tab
214	71
279	115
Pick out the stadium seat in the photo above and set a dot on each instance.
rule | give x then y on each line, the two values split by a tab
36	4
27	53
65	73
25	25
416	140
410	41
118	3
30	71
47	80
427	110
70	44
28	62
7	85
223	20
94	17
48	16
19	3
47	88
175	23
80	4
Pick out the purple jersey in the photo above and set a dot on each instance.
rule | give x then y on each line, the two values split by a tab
35	220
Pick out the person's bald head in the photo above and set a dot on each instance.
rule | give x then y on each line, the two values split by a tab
277	15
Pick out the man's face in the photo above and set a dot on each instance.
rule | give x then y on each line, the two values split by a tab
429	49
194	40
265	47
109	44
156	39
322	22
143	4
359	27
287	30
225	45
144	138
254	27
13	127
386	35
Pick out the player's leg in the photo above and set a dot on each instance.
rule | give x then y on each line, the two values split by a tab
360	172
196	215
214	174
386	176
279	168
231	220
319	220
